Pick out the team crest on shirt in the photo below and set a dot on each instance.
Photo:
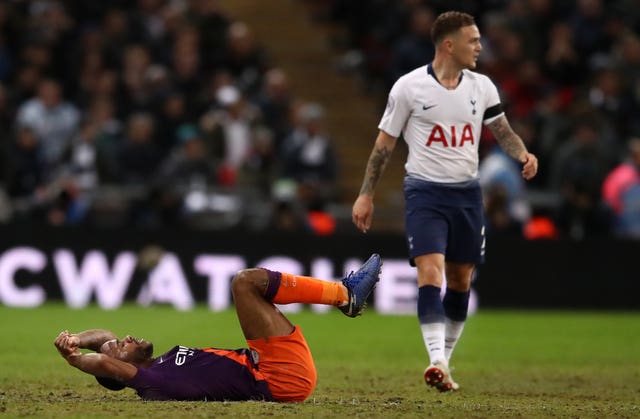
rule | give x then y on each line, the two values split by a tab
473	104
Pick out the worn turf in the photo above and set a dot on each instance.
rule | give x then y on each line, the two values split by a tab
509	364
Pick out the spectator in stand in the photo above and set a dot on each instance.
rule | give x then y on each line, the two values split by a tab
159	83
589	25
260	167
25	170
627	59
139	156
578	170
53	121
136	63
187	168
188	163
115	26
411	51
139	159
49	26
108	86
531	18
38	53
308	156
621	192
34	196
275	103
212	26
87	50
229	131
186	63
25	84
245	59
108	137
613	101
172	113
552	118
148	19
562	61
524	88
77	183
81	157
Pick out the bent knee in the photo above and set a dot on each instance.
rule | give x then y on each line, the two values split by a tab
248	279
459	276
430	275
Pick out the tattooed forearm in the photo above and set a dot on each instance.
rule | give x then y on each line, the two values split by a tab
375	166
510	142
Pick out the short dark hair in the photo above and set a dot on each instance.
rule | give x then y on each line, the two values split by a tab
110	383
449	22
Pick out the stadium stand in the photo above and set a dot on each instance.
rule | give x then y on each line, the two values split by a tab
162	113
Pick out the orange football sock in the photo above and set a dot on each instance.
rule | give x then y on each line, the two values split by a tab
308	290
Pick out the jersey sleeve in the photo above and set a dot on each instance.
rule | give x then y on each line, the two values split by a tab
152	385
397	111
493	107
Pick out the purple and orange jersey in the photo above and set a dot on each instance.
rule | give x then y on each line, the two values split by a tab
277	368
202	374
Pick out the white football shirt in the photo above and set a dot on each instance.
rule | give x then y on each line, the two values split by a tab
441	127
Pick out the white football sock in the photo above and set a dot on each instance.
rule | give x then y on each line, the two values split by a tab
453	330
433	336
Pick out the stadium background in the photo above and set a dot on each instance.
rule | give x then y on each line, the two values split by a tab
203	127
134	198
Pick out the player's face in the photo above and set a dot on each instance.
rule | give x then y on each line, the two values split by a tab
129	349
467	47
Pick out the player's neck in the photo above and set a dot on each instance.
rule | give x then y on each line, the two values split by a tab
447	72
144	364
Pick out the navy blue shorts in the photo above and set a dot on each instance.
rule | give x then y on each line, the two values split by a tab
444	218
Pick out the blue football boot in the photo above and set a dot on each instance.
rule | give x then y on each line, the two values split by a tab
360	284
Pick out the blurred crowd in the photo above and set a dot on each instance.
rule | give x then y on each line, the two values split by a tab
153	113
170	113
568	72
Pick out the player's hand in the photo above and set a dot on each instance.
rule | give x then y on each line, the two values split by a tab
362	212
61	342
66	343
529	165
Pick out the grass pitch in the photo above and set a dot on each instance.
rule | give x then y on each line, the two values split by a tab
509	364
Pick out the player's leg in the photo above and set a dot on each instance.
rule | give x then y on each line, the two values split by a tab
442	321
256	291
427	231
258	317
431	315
466	249
430	308
280	348
456	302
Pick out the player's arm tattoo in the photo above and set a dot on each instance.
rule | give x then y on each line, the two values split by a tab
510	142
375	166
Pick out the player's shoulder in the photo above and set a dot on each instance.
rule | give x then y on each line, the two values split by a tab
419	73
476	77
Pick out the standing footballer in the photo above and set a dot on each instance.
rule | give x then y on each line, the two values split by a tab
439	109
